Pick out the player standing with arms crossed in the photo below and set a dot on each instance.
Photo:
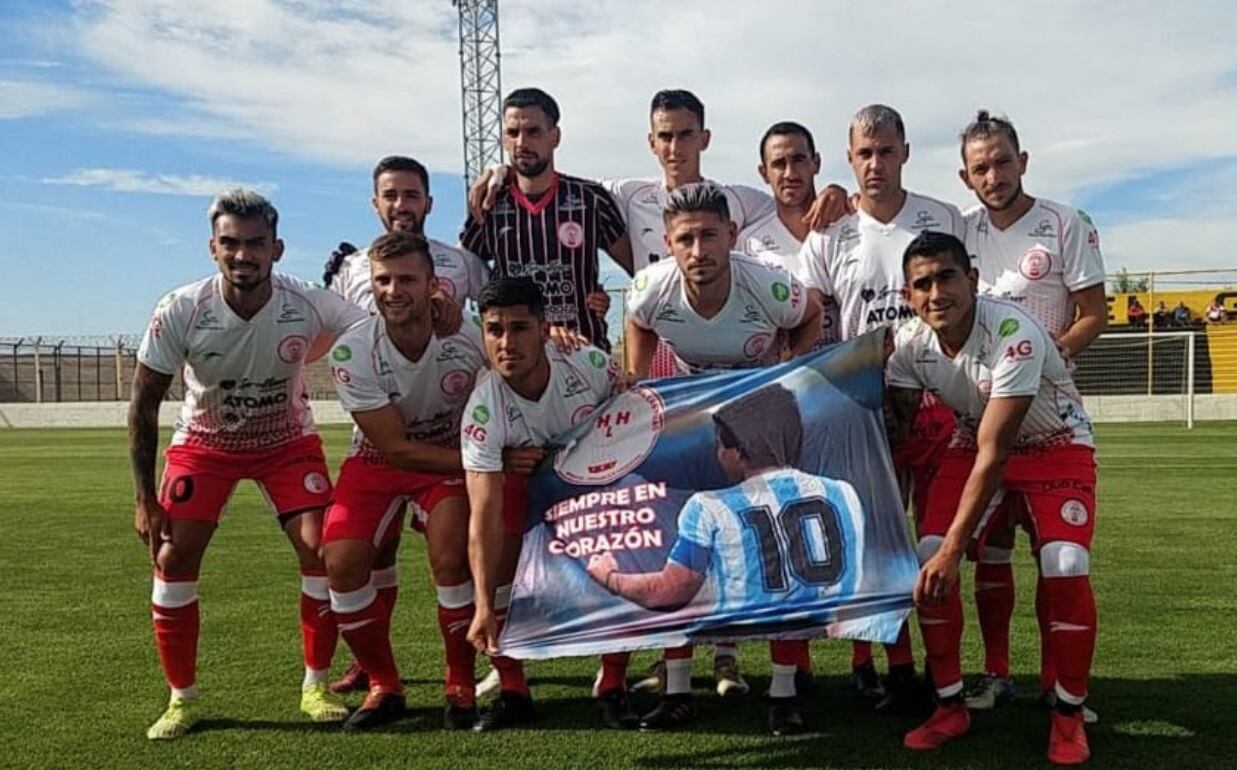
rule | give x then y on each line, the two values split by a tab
241	339
1021	429
1045	257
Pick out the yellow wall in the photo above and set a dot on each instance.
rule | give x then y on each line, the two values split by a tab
1197	301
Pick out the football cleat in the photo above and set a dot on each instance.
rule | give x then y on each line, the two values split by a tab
181	714
949	721
1067	740
321	705
866	683
353	680
509	709
905	693
458	716
616	712
654	681
987	691
379	708
785	718
673	712
730	682
490	685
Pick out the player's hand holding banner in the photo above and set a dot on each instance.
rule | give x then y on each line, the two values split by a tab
755	503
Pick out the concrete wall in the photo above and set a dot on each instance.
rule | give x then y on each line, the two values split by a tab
105	414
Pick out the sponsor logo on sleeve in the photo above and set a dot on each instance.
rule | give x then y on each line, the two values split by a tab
1020	351
1074	512
342	353
165	300
1093	238
597	359
1007	327
781	292
621	436
481	414
642	281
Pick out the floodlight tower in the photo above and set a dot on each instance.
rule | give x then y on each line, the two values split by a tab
479	85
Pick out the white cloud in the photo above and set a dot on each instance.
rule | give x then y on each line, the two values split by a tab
129	180
1100	91
21	98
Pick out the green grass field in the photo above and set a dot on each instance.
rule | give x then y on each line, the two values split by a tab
80	682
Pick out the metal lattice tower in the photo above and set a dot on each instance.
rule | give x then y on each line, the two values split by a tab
480	86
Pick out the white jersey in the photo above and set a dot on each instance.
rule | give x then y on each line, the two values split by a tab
858	261
498	417
763	300
733	537
641	202
459	272
1007	354
244	380
429	394
1051	251
770	241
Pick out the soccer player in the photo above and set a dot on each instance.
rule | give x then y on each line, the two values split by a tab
714	310
1021	430
789	164
402	201
241	339
1045	257
718	541
549	226
405	387
533	392
857	263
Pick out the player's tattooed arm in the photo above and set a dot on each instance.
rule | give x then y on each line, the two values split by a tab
639	344
620	252
149	388
485	543
385	430
805	336
1092	320
666	590
901	406
998	428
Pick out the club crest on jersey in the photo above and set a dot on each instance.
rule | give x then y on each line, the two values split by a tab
446	285
1074	512
292	349
619	438
571	235
342	353
757	344
1007	327
1035	264
456	382
316	483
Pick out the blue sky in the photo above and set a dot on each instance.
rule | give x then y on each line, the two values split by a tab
119	118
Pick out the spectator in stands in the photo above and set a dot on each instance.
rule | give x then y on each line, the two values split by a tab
1215	312
1137	313
1181	315
1161	316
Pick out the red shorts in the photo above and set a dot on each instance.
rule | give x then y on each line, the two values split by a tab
916	460
1057	487
370	496
197	481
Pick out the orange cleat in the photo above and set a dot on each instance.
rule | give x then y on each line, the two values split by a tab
1067	741
949	721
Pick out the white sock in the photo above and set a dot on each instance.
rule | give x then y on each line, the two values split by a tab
185	693
783	684
679	676
313	677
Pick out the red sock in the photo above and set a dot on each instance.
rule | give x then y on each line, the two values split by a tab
941	626
994	605
791	653
860	654
318	632
899	653
678	653
510	671
362	619
613	672
1043	616
1071	635
455	611
174	609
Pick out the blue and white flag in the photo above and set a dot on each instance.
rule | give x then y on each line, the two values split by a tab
757	503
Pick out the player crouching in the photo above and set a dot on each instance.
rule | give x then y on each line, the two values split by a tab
1021	429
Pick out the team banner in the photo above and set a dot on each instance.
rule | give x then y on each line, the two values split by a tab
757	503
